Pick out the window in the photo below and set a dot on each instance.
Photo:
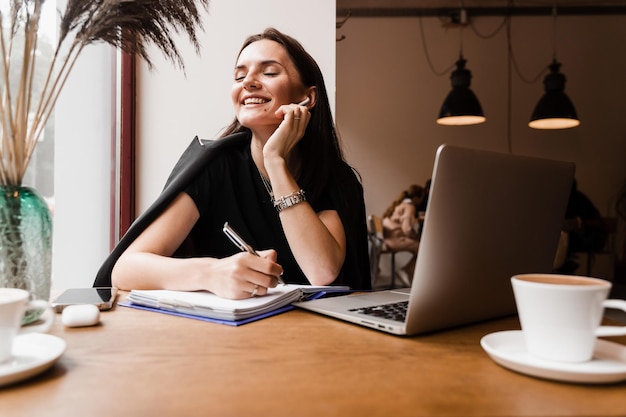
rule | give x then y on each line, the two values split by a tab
75	168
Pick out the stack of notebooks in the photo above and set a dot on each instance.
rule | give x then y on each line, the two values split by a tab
203	305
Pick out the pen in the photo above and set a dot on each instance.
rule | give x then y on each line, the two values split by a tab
242	245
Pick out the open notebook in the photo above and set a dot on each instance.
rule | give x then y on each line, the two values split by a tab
209	305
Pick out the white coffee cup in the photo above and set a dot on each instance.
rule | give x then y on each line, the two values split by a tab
13	304
561	314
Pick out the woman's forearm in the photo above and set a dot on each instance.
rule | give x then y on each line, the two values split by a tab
317	241
147	271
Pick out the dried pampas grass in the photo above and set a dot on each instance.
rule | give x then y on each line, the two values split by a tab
130	25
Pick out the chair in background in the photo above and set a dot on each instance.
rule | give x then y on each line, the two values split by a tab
377	249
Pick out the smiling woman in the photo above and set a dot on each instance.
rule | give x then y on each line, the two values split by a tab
277	174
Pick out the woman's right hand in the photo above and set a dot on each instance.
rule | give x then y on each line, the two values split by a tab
244	275
147	264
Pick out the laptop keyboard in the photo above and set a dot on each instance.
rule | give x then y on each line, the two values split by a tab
394	311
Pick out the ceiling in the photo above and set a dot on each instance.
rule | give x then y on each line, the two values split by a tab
390	8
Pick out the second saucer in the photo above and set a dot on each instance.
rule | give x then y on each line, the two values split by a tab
507	348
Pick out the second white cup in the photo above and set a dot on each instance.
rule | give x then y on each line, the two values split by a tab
560	315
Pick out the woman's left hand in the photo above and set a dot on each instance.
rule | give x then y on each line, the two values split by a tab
289	132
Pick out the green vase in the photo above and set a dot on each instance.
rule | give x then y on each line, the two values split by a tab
25	243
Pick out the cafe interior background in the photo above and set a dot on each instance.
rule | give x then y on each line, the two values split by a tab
387	65
393	74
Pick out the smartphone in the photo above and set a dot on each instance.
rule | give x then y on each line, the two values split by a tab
102	297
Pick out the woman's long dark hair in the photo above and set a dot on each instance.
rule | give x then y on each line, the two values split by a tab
319	149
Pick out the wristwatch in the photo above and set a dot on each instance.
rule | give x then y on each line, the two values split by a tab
290	200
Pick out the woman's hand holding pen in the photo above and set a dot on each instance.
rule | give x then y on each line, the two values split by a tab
245	275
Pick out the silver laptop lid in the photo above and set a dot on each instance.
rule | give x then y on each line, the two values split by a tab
490	215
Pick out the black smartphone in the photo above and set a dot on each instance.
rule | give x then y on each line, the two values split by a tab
102	297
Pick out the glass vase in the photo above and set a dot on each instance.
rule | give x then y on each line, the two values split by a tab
25	243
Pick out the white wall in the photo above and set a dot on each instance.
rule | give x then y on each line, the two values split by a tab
172	108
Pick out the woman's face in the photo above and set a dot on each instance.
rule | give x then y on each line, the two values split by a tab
265	79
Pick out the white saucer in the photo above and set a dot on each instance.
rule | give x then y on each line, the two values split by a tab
508	349
33	353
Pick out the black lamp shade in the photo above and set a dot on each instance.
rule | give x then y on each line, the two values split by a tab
554	110
461	107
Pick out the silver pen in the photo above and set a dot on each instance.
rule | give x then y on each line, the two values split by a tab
242	244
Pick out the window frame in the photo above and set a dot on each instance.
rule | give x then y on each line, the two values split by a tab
126	163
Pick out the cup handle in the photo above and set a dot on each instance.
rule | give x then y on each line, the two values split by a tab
47	317
612	330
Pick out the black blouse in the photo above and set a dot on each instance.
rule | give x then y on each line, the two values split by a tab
230	189
223	181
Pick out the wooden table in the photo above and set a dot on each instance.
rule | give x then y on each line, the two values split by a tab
139	363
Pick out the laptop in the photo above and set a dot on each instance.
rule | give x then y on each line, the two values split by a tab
490	216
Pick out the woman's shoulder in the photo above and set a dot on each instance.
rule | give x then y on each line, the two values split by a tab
202	156
200	151
230	149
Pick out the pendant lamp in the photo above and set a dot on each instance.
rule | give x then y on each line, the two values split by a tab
461	107
554	110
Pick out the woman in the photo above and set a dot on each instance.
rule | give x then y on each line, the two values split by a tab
277	176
